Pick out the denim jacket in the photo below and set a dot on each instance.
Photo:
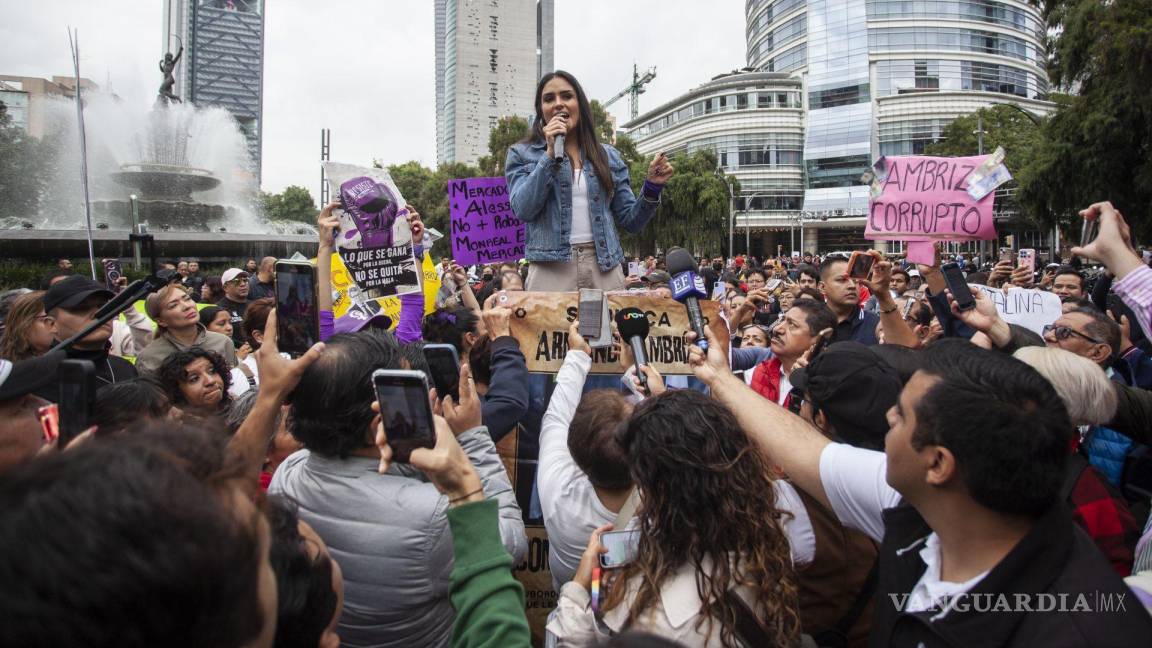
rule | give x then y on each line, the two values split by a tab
541	194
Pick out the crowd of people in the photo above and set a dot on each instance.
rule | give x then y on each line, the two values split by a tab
860	461
857	461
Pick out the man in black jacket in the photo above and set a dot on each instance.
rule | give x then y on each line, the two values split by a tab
976	549
71	305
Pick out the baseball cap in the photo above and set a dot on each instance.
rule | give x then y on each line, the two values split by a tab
231	274
70	293
28	376
853	390
657	277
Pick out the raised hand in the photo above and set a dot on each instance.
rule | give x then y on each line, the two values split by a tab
660	170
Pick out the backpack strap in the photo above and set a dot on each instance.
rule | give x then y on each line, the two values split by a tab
748	628
1076	465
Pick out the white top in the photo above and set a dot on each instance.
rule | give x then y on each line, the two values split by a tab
581	216
855	481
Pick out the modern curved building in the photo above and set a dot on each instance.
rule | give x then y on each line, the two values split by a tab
881	77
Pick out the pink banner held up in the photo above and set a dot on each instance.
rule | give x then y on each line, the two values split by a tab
926	199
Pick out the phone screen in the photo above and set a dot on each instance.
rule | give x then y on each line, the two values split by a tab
860	265
590	312
297	318
621	546
444	364
958	285
405	411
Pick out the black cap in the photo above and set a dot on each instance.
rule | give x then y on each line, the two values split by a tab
27	376
70	293
853	390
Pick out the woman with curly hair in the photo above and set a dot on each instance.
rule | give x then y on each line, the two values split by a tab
197	380
713	560
27	329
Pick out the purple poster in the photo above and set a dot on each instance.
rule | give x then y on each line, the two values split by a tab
484	229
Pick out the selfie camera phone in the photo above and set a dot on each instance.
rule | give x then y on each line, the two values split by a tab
297	315
958	285
444	364
622	547
77	393
404	410
860	264
590	312
1027	259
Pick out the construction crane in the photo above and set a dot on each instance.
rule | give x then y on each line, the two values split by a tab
634	90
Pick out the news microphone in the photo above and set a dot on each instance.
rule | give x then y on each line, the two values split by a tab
688	289
558	143
632	324
136	290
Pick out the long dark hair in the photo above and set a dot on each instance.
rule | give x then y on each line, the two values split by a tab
585	130
706	493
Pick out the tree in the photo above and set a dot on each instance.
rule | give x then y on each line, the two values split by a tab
604	130
24	170
293	204
1098	143
427	191
508	131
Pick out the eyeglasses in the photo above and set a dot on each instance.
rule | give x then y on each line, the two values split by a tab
1065	332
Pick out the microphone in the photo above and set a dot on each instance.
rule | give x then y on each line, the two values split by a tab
688	289
558	144
134	291
633	326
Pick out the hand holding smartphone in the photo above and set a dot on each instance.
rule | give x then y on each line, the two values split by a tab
444	364
622	547
404	410
860	263
958	286
297	314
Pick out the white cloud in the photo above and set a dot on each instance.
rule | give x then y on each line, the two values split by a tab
366	68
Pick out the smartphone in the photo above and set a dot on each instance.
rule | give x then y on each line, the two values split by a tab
77	393
405	410
49	417
1027	259
605	339
956	282
590	312
773	284
622	547
1089	230
444	363
860	264
297	316
908	304
1005	254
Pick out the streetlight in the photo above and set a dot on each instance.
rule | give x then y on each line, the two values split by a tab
747	225
731	207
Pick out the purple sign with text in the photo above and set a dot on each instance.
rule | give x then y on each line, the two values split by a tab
484	229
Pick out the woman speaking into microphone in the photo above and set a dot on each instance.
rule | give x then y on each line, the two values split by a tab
571	191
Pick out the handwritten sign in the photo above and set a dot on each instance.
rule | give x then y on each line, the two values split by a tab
926	199
540	322
1033	309
348	302
484	229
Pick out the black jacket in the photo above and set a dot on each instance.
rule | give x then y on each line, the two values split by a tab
507	398
859	327
1055	565
109	369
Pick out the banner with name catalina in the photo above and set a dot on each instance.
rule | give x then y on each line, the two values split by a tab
484	228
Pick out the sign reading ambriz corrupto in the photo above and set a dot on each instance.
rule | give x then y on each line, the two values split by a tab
484	229
926	199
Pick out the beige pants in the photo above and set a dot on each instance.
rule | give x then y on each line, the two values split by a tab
580	271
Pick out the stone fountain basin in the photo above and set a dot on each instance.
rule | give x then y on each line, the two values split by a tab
165	182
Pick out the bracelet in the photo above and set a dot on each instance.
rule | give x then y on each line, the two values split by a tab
464	497
885	312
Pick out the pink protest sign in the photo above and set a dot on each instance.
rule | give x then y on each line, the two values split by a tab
484	228
926	199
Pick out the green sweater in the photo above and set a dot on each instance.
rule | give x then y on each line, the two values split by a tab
489	602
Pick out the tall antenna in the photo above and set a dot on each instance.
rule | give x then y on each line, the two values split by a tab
74	43
325	151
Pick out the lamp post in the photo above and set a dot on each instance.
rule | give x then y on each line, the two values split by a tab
731	208
747	225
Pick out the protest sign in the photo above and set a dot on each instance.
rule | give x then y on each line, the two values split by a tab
348	301
484	229
1028	307
374	240
540	323
925	198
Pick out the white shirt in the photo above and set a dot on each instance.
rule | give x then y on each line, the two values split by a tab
854	480
581	231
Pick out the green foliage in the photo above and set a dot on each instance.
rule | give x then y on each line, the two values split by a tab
26	274
1098	145
24	169
427	191
508	131
293	204
603	127
1004	125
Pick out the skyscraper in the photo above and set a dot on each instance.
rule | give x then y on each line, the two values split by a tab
489	56
223	62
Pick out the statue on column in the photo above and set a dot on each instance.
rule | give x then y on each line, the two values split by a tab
167	66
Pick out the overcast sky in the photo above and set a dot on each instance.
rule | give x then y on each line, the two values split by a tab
376	93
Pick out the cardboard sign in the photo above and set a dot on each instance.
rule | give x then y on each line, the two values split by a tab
540	322
1028	307
484	229
347	299
374	241
926	199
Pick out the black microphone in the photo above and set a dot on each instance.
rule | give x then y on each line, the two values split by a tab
688	289
134	291
558	144
633	326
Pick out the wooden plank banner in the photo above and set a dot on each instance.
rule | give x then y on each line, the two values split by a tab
540	322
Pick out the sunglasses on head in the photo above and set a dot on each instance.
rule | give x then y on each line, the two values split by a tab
1065	332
